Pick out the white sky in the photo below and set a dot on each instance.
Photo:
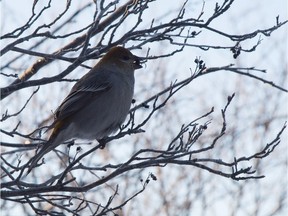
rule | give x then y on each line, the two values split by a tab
244	17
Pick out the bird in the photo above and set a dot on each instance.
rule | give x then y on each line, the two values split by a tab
97	104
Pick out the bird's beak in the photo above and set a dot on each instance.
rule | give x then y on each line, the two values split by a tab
136	62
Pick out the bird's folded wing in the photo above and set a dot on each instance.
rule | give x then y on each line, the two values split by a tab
80	97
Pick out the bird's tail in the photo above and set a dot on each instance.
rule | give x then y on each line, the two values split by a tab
47	147
51	144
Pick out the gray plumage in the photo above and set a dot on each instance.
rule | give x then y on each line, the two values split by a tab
97	104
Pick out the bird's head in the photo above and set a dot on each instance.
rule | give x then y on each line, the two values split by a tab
122	58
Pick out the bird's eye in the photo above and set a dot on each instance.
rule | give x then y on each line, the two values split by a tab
125	58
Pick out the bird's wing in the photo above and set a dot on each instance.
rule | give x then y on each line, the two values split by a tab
79	97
